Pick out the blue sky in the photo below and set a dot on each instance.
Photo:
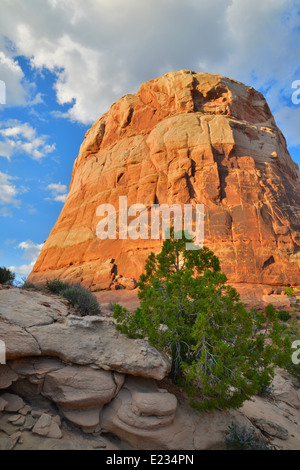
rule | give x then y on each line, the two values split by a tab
65	62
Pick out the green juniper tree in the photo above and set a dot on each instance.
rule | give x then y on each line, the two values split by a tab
221	353
6	276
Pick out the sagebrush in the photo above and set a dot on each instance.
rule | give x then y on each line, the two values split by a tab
84	301
242	438
56	285
79	297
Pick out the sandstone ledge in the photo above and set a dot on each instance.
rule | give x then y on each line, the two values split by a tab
29	328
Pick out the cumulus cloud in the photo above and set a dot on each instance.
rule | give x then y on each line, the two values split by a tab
8	190
288	119
59	192
101	49
13	77
31	252
5	212
22	138
23	270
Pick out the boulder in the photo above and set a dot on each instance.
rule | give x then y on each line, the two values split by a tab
18	342
17	307
17	420
47	427
139	410
87	419
85	342
283	390
79	387
127	283
14	403
271	429
81	341
7	377
277	420
147	417
3	404
9	443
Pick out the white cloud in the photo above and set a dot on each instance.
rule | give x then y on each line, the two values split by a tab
5	212
22	138
62	198
12	75
10	241
101	49
31	250
59	192
23	270
8	191
31	253
288	119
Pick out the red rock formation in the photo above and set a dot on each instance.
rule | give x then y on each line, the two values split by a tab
183	138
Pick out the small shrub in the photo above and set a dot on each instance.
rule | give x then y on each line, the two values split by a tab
6	276
266	391
290	329
289	291
242	438
84	301
56	286
79	297
29	285
284	315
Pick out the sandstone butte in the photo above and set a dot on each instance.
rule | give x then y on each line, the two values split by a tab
187	138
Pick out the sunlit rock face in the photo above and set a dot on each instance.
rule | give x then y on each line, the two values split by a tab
187	138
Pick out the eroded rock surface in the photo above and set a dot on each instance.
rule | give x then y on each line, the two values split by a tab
29	330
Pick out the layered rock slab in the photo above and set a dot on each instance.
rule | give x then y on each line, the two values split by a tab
187	138
89	341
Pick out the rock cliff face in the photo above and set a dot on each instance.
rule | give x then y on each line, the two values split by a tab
187	138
